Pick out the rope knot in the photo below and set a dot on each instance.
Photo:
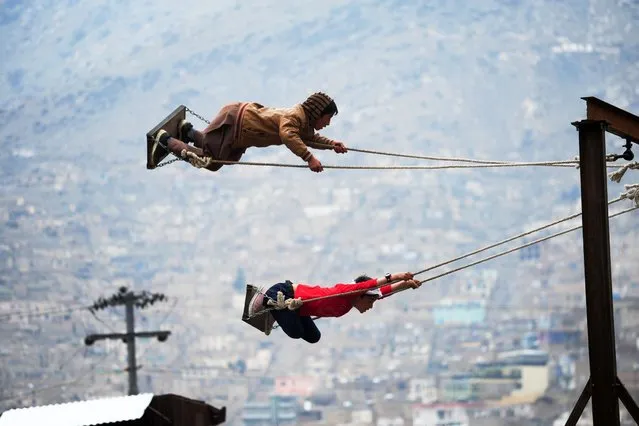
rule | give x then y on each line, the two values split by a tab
618	175
280	303
632	193
195	160
294	304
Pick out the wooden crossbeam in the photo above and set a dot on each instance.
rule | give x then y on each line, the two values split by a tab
620	122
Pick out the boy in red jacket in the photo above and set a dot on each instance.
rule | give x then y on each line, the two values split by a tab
298	323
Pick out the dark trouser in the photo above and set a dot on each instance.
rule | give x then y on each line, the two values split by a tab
217	140
219	145
294	325
215	144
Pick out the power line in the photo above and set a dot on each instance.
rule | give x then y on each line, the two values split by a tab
63	364
82	376
71	358
62	384
52	311
30	314
161	323
100	320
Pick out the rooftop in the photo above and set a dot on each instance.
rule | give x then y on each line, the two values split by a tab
80	413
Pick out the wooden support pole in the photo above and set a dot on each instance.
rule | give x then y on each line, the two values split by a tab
598	279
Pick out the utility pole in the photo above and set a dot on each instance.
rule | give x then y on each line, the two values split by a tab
130	301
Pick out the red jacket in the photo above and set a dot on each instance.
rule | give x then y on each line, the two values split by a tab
335	306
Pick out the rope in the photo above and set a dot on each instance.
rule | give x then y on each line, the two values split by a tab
560	163
632	193
478	261
532	231
293	304
563	163
618	175
204	162
610	158
520	247
419	157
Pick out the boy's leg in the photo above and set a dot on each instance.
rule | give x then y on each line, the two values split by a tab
164	140
291	323
216	145
187	133
176	146
311	332
198	139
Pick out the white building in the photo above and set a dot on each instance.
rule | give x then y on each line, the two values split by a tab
423	390
440	415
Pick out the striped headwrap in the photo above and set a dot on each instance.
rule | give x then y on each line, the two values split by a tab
315	104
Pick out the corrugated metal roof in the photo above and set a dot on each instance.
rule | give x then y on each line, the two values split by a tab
80	413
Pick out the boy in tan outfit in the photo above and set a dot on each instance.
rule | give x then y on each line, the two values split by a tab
242	125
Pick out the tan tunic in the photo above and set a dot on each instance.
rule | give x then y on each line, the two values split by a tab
254	125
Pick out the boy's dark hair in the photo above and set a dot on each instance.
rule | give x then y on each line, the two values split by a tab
330	109
361	279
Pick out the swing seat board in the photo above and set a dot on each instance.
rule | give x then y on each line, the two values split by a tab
263	322
170	124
